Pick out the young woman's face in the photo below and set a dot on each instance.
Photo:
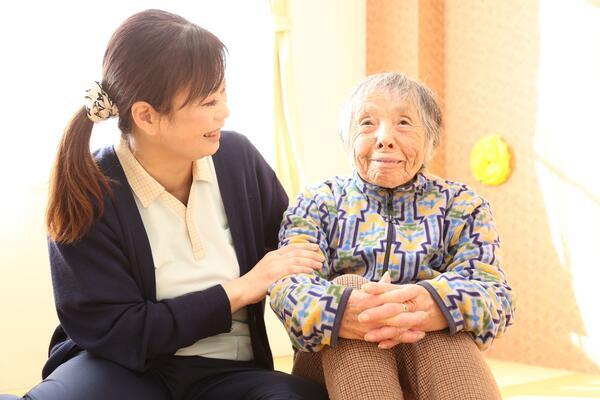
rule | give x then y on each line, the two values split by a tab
194	131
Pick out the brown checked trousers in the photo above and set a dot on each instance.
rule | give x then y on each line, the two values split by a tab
438	367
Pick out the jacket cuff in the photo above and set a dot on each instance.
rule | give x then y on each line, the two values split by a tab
337	323
438	300
217	317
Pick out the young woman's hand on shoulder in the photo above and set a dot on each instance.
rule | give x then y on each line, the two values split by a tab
252	287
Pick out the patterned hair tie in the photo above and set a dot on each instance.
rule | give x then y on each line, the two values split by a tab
98	105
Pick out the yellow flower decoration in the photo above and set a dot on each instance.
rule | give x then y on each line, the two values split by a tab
490	160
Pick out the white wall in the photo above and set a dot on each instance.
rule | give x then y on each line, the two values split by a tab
27	315
328	50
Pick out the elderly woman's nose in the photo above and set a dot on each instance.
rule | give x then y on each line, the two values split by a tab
385	137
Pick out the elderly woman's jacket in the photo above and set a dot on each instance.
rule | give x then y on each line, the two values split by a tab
433	232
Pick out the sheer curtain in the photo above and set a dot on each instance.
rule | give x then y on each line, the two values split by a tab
286	156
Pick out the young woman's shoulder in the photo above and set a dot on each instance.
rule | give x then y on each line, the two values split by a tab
233	138
108	162
238	151
234	143
119	204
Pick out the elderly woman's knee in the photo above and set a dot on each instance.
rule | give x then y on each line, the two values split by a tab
461	341
441	347
351	281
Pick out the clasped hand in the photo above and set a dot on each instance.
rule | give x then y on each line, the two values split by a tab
390	314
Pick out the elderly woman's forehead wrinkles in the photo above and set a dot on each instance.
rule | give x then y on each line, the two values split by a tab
367	107
405	107
381	101
396	96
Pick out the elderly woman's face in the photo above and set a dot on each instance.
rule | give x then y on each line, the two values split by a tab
387	142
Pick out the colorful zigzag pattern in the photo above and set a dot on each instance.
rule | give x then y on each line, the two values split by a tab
443	237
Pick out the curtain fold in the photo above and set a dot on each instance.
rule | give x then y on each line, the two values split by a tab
287	165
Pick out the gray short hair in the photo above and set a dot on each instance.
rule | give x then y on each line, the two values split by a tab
396	84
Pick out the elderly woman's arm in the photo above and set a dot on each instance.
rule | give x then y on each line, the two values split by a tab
309	306
472	293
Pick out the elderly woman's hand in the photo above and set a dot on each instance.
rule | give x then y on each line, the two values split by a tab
404	313
358	302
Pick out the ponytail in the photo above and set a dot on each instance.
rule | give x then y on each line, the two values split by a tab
75	191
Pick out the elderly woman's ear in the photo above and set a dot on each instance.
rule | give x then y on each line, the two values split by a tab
429	152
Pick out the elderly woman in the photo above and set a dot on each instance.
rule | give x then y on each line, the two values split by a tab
411	289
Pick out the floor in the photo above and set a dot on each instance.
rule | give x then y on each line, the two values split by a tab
526	382
519	381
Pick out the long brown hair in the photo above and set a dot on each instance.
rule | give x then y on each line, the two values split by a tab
150	57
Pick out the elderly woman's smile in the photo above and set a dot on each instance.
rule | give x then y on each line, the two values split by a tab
389	161
388	143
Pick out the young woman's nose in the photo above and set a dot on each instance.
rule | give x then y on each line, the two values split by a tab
223	112
385	138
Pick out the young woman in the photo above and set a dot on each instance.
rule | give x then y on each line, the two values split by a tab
159	246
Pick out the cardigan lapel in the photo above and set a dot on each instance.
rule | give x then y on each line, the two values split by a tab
142	263
231	190
138	248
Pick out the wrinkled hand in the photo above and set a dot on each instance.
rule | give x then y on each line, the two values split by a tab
359	301
355	326
404	313
350	326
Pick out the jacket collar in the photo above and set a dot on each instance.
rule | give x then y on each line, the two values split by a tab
416	185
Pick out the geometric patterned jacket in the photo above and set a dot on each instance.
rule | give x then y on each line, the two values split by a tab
433	232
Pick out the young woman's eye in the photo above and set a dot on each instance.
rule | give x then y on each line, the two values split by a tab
210	103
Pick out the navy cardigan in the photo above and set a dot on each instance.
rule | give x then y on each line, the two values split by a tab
104	284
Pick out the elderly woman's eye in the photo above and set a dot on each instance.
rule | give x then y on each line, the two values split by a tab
404	122
365	122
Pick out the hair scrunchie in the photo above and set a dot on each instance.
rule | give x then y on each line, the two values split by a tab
98	105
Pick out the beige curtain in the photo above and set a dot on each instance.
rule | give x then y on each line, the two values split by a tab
286	156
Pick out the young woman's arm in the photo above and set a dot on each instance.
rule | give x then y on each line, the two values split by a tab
267	200
103	310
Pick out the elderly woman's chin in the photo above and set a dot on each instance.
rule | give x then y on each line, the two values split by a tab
386	177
